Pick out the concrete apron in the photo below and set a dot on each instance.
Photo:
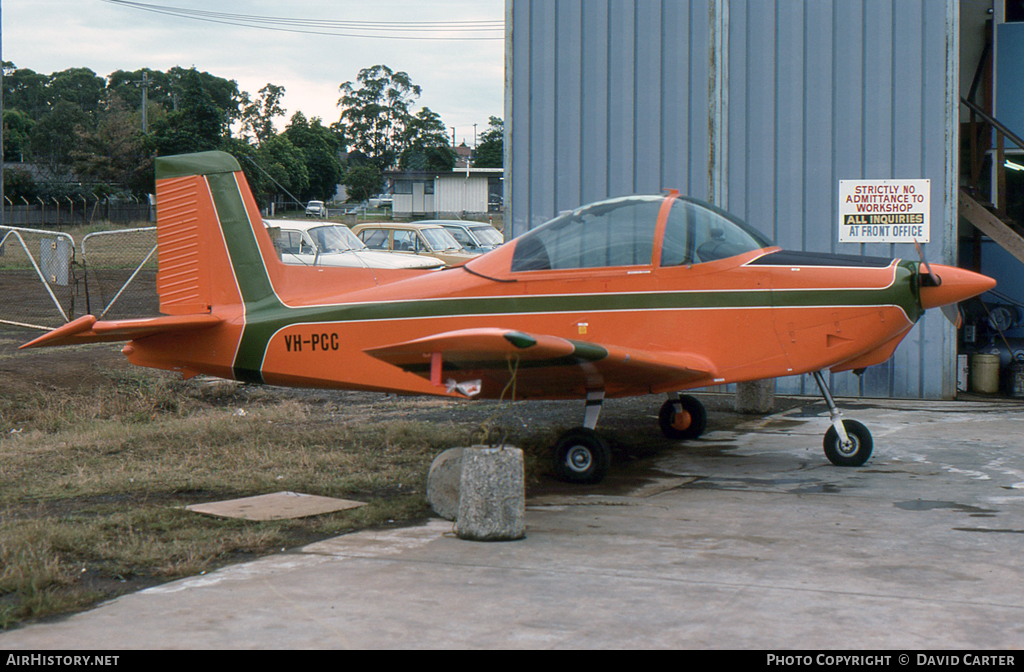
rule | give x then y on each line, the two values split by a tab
740	540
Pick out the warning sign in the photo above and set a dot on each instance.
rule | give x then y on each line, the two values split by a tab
884	211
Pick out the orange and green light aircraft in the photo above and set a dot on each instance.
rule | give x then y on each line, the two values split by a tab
629	296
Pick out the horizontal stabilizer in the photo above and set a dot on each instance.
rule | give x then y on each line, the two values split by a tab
544	366
87	329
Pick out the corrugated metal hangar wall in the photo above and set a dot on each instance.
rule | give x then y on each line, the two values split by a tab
759	106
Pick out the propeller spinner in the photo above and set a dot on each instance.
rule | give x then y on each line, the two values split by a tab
945	286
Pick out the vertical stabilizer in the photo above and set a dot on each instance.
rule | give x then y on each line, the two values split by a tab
208	252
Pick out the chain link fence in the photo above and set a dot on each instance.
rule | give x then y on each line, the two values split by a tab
48	278
120	273
69	211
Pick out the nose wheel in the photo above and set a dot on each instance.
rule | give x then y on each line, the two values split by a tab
854	451
847	443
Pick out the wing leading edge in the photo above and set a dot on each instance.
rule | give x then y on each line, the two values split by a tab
543	366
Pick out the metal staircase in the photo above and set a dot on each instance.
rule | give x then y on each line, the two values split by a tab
985	217
1002	233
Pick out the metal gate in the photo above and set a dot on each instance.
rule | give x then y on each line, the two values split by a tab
38	278
46	280
120	273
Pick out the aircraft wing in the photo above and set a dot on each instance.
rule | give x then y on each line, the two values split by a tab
87	329
543	366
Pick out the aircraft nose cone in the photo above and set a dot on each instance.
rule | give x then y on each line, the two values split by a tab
957	285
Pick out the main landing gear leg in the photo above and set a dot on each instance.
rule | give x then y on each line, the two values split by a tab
847	443
581	456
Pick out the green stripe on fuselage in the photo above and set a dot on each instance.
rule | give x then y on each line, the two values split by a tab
267	316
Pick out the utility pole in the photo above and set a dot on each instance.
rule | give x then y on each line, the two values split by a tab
145	102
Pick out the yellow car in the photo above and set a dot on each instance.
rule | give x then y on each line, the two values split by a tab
424	239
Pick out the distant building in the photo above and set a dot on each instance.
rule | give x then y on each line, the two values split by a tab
465	156
461	192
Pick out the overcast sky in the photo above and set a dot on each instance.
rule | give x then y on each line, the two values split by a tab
462	81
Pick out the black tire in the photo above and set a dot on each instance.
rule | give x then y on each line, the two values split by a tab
690	426
856	452
581	456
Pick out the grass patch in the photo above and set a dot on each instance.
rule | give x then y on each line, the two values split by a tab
93	481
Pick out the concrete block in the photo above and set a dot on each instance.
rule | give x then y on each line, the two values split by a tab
443	483
492	495
756	397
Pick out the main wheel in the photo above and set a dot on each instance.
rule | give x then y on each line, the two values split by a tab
853	453
581	456
690	423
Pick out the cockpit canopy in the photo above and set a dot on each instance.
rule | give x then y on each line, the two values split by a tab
621	232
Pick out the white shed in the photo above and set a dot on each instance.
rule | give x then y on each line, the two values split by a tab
472	191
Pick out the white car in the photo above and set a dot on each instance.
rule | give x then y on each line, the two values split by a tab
473	236
315	244
316	209
381	201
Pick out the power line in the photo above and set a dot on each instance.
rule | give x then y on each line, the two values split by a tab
387	30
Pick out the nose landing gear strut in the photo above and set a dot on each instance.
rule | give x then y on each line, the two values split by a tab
847	443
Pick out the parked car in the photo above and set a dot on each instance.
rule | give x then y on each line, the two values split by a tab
473	236
413	238
315	244
381	201
316	209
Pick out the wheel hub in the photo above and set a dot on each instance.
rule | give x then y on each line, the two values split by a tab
847	448
681	421
579	459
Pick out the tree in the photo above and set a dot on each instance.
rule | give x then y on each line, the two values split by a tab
362	182
490	153
223	93
321	149
128	86
80	86
197	125
166	89
375	115
114	153
258	116
426	144
17	135
55	136
25	90
284	163
19	184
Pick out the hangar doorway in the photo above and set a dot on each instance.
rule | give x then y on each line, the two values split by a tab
991	226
